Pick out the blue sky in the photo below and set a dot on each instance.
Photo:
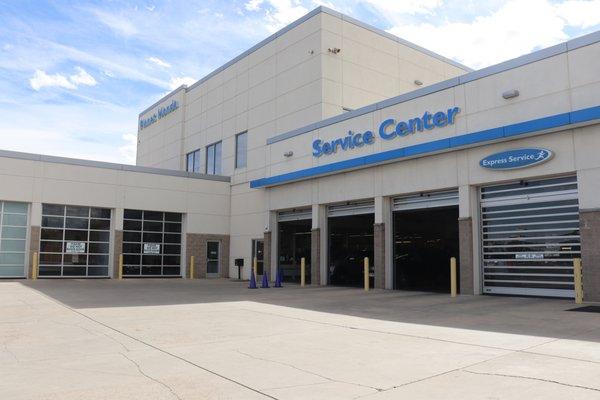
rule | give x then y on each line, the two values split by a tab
74	75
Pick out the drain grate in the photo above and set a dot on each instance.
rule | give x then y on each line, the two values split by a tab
594	309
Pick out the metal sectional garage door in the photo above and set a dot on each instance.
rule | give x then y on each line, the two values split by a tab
13	239
151	243
351	208
74	241
530	235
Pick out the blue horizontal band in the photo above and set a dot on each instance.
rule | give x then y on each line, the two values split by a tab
456	142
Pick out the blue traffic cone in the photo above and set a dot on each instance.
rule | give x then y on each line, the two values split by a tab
278	279
265	280
252	284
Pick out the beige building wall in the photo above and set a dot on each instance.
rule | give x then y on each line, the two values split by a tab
551	86
160	144
372	66
36	179
204	201
286	82
554	85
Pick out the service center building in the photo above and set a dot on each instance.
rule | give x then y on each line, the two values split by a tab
333	141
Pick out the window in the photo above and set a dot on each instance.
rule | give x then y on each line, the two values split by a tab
151	243
213	159
193	161
74	241
241	148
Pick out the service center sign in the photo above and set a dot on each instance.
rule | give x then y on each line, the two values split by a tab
516	158
388	130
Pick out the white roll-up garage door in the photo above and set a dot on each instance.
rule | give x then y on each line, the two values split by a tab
294	215
351	208
426	200
530	235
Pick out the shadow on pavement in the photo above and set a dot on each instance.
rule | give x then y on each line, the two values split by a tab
516	315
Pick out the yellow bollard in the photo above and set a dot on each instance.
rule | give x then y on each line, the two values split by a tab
192	263
366	273
578	278
255	267
34	266
453	288
302	271
120	272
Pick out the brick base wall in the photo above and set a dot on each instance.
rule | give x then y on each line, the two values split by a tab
379	255
196	245
315	257
465	255
589	225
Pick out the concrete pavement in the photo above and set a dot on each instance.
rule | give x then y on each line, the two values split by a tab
178	339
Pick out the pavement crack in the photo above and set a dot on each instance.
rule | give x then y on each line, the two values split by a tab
154	347
295	386
307	371
9	351
533	379
169	388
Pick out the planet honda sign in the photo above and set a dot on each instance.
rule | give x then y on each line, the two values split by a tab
516	158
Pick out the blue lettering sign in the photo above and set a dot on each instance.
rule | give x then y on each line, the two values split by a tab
388	130
516	158
161	113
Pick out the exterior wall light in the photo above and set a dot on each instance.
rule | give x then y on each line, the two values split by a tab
334	50
418	82
288	154
509	94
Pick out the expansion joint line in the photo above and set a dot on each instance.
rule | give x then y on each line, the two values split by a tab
150	345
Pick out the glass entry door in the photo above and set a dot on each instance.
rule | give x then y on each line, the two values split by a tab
258	251
212	259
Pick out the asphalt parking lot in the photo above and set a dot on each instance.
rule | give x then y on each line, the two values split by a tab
181	339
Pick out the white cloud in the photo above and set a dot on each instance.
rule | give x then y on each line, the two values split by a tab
412	7
184	80
79	130
159	62
128	149
516	28
583	14
82	78
41	79
121	24
279	13
253	5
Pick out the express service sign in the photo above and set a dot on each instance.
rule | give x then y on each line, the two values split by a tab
516	158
